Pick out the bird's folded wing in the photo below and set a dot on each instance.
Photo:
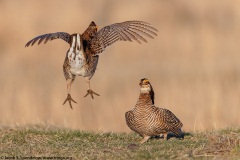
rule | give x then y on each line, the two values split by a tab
125	31
172	120
51	36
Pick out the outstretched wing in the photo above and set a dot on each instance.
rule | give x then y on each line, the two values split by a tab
125	31
50	36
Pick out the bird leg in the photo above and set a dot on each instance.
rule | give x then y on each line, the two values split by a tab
165	135
90	91
69	98
145	138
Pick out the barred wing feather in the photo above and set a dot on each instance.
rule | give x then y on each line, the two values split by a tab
49	37
125	31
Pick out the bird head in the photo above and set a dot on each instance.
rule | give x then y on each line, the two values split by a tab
93	26
146	87
91	31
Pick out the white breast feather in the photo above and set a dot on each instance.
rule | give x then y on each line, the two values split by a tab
76	60
145	90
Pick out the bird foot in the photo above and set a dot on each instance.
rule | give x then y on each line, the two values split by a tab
69	99
91	92
145	139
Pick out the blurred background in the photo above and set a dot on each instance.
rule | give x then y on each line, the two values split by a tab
193	63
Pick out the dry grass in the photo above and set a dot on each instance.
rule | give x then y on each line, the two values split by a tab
193	64
35	141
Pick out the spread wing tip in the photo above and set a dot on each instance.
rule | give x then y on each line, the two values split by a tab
49	37
144	23
27	45
32	42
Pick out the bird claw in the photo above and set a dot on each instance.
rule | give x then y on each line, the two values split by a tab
69	99
91	92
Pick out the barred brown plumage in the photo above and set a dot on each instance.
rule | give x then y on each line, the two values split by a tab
82	56
148	120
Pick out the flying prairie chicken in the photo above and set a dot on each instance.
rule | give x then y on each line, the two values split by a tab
150	121
82	56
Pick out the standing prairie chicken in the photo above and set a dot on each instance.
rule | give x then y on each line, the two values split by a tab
82	56
149	121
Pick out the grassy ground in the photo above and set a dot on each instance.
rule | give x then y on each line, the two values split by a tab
40	143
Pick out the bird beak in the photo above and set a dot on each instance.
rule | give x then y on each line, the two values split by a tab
146	81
